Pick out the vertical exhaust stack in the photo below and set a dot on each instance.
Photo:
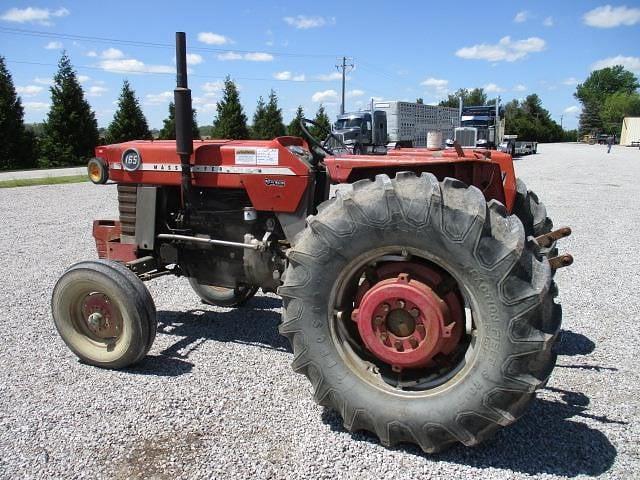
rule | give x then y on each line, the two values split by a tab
184	134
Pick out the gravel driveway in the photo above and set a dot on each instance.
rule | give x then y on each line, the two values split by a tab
216	398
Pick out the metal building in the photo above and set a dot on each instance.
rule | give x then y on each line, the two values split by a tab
630	132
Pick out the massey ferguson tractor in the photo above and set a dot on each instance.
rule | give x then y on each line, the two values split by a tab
417	286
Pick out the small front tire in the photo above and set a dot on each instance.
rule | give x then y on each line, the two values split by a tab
104	314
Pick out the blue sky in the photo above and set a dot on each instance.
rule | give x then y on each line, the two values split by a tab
401	50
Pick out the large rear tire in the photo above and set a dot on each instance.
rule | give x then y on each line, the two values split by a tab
222	296
533	215
482	265
104	314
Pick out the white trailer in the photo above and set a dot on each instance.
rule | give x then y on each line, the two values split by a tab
408	123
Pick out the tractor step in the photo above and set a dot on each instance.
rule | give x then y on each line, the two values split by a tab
547	239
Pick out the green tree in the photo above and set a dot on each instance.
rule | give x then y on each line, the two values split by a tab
470	98
259	121
168	130
324	124
617	106
293	129
70	131
231	121
529	120
420	100
17	145
595	90
129	123
273	126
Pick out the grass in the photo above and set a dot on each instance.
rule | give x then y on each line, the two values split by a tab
29	182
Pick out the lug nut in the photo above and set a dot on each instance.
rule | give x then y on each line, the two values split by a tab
401	303
415	313
399	346
413	342
386	308
384	336
420	329
377	321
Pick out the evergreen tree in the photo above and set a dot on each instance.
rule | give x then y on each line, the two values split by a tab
293	129
322	119
168	131
129	123
274	127
259	120
16	143
71	130
470	98
231	121
419	100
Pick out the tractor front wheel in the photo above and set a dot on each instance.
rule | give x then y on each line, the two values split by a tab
104	314
419	312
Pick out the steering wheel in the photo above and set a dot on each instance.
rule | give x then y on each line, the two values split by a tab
316	142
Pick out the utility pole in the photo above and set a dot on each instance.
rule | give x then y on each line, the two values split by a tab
343	67
561	116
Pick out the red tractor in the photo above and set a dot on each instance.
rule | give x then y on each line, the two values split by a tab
417	286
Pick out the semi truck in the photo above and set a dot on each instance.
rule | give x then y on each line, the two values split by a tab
388	124
483	126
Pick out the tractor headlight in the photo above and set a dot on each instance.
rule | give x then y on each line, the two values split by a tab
98	171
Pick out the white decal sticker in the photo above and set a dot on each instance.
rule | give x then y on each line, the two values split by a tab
245	156
267	156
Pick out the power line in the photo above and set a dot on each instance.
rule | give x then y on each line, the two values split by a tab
87	38
138	72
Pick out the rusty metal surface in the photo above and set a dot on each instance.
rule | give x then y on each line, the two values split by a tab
547	239
561	261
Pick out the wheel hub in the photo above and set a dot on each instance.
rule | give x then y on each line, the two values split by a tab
403	322
101	316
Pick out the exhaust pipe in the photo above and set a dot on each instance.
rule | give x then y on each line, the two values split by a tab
184	134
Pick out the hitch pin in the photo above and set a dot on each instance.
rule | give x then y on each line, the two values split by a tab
560	261
548	238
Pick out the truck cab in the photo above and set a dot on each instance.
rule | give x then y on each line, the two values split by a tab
480	126
360	132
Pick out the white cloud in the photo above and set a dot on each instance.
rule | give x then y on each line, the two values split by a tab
324	96
42	16
37	106
287	75
630	63
213	87
572	109
203	105
548	22
157	98
112	54
43	81
194	59
250	57
29	90
610	17
505	50
83	78
439	86
571	81
258	57
520	88
97	91
131	65
521	17
356	92
492	88
303	22
211	38
329	77
53	46
91	53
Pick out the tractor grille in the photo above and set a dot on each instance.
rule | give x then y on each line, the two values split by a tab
466	137
127	196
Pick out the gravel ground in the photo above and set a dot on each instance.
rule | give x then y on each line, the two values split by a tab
216	398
